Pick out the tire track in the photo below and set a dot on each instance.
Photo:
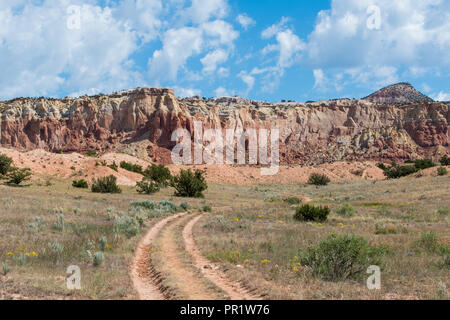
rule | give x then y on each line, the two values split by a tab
142	274
233	289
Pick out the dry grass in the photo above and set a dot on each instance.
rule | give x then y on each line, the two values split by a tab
258	233
250	226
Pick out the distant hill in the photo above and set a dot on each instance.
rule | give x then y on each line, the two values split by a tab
398	93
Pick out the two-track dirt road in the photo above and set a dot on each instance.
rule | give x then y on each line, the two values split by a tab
191	275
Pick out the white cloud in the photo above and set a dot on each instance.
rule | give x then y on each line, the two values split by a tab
40	55
204	10
319	78
212	59
245	21
222	92
186	92
412	34
178	46
248	79
442	96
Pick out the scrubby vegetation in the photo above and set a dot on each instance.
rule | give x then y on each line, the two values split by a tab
81	184
395	170
346	210
318	179
91	153
16	176
445	161
113	166
147	186
131	167
292	200
442	171
5	164
311	213
341	257
190	184
105	185
159	174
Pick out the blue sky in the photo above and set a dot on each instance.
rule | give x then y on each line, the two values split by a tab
265	50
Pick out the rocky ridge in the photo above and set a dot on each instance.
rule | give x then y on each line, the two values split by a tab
310	133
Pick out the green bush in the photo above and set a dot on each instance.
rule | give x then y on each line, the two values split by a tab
91	153
131	167
184	205
5	164
98	258
103	241
429	242
445	161
127	226
346	210
318	179
395	171
16	176
341	257
113	166
158	173
190	184
206	209
421	164
105	185
82	184
292	200
442	171
147	186
310	213
5	268
150	205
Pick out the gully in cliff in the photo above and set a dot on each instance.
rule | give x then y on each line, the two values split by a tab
209	147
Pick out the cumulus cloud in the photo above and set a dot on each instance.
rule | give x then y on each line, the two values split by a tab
40	55
186	92
442	96
245	21
378	37
212	59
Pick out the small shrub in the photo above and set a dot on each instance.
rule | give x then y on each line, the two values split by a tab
184	205
346	210
91	153
38	224
127	226
60	224
158	173
167	206
422	164
56	250
131	167
292	200
382	228
105	185
396	171
82	184
445	161
147	186
429	241
98	258
5	268
151	205
318	179
310	213
16	176
102	243
190	184
341	257
5	164
113	166
206	208
442	171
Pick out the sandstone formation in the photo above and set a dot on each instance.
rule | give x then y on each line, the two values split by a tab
398	93
311	133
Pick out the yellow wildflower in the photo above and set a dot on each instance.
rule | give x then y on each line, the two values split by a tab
340	224
236	219
108	246
246	261
250	250
260	216
265	261
9	254
295	268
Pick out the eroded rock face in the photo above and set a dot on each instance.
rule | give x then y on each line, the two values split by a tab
312	133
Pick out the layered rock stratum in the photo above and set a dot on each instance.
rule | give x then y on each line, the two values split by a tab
141	122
